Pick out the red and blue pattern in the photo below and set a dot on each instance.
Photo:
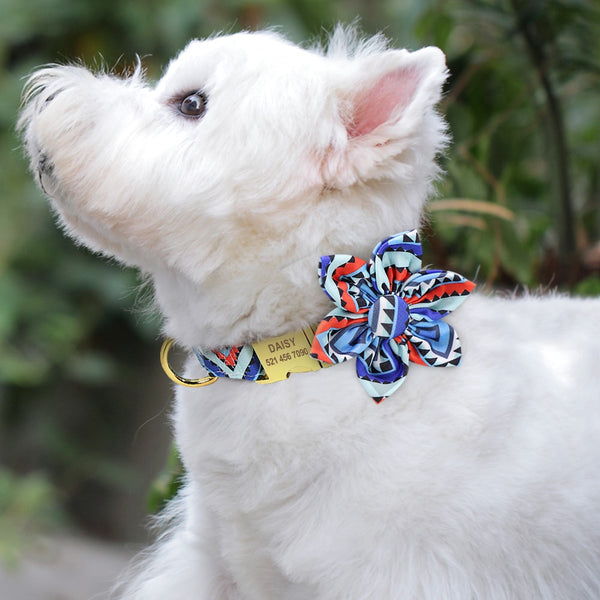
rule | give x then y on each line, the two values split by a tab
389	312
235	362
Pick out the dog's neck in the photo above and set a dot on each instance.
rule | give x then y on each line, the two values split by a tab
195	319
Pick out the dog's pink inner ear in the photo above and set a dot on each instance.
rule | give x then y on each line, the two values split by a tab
375	105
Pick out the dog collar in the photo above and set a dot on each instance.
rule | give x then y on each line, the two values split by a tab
267	361
388	312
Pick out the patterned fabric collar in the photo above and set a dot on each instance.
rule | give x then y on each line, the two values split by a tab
388	312
235	362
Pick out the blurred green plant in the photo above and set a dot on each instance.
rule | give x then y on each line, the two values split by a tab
522	104
167	483
590	286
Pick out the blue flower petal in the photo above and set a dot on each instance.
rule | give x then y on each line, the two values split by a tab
394	260
436	343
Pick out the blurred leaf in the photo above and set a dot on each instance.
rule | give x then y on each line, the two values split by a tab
474	206
167	484
588	287
92	368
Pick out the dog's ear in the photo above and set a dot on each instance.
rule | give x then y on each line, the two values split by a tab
386	109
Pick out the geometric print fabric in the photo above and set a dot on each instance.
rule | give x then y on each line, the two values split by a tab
388	312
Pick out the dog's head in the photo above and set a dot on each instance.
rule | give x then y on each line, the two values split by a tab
249	156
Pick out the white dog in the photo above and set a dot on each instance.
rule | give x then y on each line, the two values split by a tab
249	160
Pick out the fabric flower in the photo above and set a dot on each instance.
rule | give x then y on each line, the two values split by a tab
388	312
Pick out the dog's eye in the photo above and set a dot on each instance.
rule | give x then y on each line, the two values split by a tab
193	105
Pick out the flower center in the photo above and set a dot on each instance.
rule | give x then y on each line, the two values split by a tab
388	317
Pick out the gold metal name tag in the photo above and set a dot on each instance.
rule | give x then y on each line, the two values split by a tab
287	353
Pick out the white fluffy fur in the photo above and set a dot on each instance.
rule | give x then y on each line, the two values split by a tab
479	482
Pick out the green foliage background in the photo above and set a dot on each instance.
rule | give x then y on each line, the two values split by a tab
520	206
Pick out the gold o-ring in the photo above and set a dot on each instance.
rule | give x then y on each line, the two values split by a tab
164	361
